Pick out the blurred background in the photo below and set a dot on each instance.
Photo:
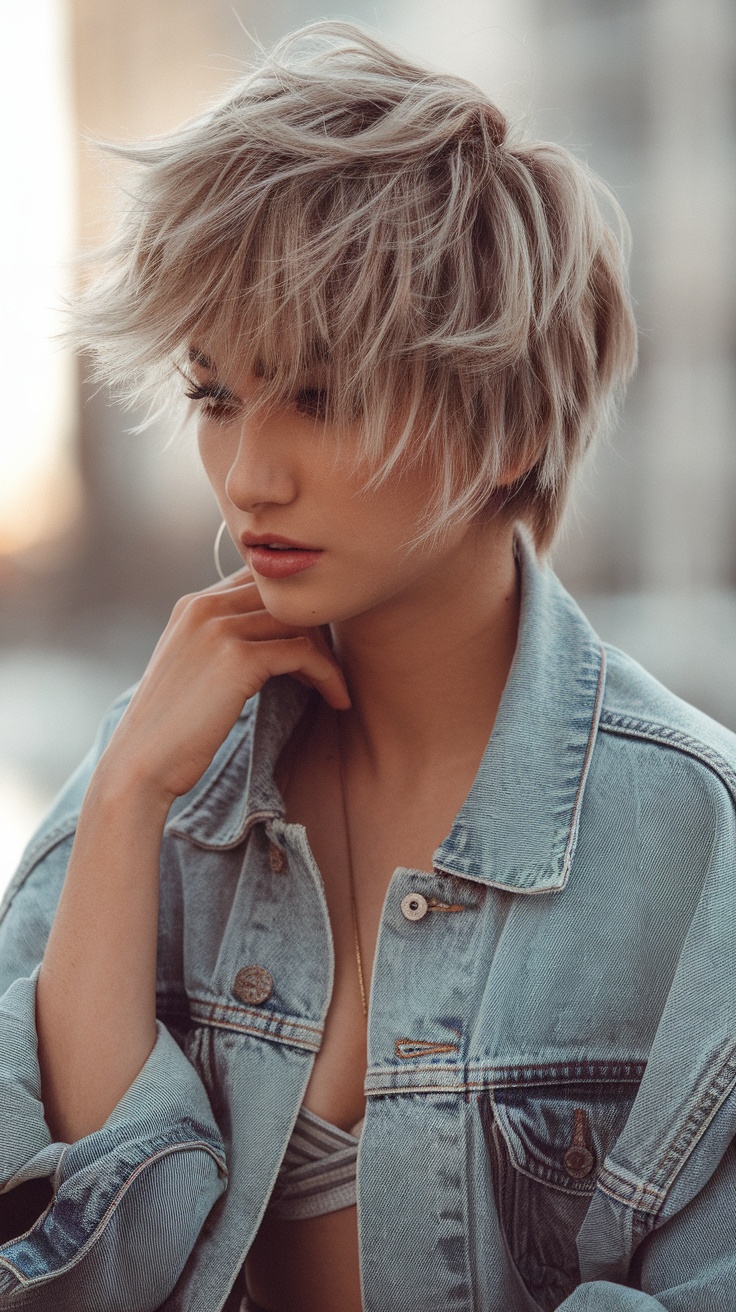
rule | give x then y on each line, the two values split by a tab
102	529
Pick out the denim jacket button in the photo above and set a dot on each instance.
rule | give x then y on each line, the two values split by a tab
414	906
579	1162
253	984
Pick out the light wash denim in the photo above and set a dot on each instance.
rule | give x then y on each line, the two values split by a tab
552	1045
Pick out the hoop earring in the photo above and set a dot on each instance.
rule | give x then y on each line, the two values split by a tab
218	540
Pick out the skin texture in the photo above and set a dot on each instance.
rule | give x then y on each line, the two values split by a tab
410	650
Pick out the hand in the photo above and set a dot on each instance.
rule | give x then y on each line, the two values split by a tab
217	650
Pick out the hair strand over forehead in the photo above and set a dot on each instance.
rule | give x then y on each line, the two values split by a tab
343	210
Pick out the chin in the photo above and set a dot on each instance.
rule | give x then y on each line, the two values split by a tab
308	607
304	608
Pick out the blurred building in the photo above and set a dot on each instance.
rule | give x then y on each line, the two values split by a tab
101	529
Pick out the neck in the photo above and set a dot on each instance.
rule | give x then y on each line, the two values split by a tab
426	671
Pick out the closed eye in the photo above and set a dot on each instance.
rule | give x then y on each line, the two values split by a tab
220	402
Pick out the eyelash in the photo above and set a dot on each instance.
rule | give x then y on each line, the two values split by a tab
310	401
218	402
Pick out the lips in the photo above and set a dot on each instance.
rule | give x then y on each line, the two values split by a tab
275	557
274	540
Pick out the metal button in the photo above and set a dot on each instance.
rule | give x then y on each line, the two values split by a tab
277	859
414	906
253	984
579	1162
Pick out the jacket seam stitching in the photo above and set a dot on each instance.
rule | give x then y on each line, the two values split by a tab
547	1075
468	1086
626	726
306	1044
697	1122
211	1008
210	845
583	1192
196	1146
592	735
680	1148
642	1197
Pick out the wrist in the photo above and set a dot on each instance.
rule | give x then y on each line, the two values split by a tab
123	787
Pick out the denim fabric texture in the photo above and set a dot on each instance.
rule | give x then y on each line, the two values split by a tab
550	1085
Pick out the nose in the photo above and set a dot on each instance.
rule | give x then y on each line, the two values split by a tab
262	471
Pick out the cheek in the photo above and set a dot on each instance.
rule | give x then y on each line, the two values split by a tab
213	452
396	513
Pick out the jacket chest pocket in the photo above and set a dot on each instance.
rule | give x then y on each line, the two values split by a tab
546	1143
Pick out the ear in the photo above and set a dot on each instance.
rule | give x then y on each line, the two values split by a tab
516	471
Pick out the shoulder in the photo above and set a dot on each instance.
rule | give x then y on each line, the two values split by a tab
659	757
639	709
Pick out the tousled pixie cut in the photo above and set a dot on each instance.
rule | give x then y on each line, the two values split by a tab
346	215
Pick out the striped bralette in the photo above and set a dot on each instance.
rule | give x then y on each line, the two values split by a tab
318	1170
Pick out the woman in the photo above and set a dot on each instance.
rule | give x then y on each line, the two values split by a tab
385	860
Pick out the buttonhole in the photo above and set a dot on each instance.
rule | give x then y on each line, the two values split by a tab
408	1048
434	904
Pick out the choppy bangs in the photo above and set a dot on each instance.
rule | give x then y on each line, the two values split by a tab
346	216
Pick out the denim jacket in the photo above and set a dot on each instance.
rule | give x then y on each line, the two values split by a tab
552	1039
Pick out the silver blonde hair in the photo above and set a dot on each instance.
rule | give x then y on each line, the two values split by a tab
346	214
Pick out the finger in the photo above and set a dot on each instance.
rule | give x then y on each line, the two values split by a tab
258	625
222	598
236	579
300	657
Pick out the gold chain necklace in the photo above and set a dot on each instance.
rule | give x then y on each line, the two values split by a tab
351	877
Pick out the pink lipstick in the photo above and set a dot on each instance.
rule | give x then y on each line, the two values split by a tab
275	557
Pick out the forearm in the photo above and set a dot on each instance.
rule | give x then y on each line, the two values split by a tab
95	1009
96	995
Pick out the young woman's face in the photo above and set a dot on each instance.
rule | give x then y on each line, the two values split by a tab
281	475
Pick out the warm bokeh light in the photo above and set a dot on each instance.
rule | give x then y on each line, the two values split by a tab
39	489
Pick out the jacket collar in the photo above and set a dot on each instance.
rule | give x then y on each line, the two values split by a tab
518	826
238	790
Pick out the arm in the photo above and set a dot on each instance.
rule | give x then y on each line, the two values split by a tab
107	1221
96	991
95	1005
99	1100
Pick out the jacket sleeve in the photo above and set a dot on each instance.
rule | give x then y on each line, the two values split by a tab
109	1221
668	1197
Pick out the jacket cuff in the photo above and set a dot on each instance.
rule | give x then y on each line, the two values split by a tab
159	1148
